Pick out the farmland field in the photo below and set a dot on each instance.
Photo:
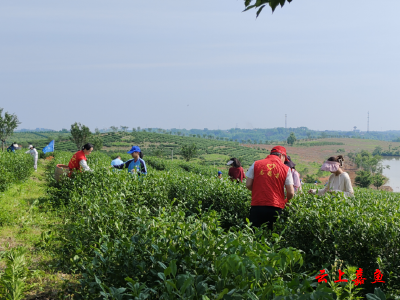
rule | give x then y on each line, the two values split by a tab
179	232
307	154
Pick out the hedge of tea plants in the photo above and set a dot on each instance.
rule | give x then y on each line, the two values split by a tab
363	231
181	233
14	167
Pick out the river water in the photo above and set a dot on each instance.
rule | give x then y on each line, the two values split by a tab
393	173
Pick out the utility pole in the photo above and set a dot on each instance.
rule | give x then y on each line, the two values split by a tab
285	121
172	154
368	124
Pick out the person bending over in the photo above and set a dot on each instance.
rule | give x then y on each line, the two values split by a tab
266	179
236	172
78	160
295	174
33	152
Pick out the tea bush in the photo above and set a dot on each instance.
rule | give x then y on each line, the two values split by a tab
363	231
14	167
174	257
180	234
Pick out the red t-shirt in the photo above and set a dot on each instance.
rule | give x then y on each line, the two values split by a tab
269	181
76	158
236	173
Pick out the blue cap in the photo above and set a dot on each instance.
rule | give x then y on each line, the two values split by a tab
134	149
219	172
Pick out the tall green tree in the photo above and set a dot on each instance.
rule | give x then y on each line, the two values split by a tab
291	139
80	134
8	124
97	142
189	151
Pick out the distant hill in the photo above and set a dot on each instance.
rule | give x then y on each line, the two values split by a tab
244	136
35	130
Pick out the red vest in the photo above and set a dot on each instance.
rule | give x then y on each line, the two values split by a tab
76	158
269	181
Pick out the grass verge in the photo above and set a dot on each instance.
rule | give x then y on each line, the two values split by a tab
25	223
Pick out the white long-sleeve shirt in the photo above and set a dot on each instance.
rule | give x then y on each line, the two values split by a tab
33	152
84	165
340	183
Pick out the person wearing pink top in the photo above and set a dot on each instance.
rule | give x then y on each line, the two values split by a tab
295	175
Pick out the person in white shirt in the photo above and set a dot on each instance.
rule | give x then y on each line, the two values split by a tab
34	154
339	181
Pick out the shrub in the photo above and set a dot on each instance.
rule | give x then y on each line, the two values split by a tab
14	167
179	234
363	179
362	231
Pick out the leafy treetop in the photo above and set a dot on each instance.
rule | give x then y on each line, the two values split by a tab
8	124
291	139
260	4
80	134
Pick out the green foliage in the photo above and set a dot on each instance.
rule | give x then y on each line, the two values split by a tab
80	134
340	150
8	124
378	180
363	179
181	233
311	179
361	231
151	238
260	4
377	151
97	142
12	281
189	151
372	168
395	151
14	167
155	144
291	139
377	295
366	160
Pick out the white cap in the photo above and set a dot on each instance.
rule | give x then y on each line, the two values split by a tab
30	146
229	163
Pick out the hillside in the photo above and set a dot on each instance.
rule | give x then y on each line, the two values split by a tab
307	154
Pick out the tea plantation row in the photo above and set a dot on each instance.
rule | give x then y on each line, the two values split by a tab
180	233
14	167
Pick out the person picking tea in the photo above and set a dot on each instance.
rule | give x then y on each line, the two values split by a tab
339	181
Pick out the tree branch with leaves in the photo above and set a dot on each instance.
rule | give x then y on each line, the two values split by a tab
8	124
260	4
80	134
189	151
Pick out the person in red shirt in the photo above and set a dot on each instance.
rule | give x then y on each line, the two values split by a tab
266	179
78	160
236	172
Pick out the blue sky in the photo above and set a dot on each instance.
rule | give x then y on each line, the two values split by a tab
200	64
